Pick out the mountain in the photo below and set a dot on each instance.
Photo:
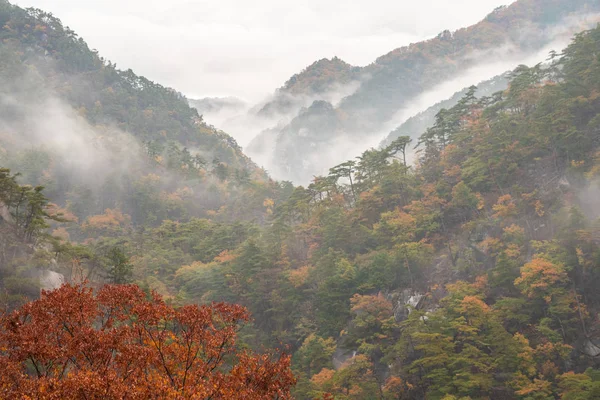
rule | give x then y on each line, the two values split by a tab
501	41
471	274
113	151
67	114
326	79
414	126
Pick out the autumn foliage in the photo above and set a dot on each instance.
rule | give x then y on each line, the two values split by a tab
122	344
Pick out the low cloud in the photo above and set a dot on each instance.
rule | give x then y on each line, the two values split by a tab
89	155
485	65
246	49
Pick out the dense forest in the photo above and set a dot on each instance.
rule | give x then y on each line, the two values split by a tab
471	274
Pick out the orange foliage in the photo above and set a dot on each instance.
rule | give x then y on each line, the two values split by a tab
62	234
298	277
453	172
268	203
480	282
473	304
56	211
377	306
110	220
396	386
504	207
225	256
323	377
538	387
72	344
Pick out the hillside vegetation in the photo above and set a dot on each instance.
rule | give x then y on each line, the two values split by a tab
472	274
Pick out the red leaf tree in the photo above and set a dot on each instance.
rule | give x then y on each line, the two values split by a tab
121	344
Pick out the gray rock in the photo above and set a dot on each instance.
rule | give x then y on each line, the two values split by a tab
50	280
590	348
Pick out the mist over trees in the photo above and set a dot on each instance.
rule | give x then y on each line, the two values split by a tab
462	263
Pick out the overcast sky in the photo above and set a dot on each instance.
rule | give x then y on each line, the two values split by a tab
248	48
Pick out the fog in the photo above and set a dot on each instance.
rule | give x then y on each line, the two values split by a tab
490	64
246	49
50	143
90	153
589	199
503	60
486	65
245	121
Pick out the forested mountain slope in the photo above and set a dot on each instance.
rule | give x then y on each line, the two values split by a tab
393	81
414	126
74	122
114	151
472	274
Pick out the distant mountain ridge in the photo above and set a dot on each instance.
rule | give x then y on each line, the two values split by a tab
388	84
315	81
321	75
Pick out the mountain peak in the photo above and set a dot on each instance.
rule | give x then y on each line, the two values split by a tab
321	76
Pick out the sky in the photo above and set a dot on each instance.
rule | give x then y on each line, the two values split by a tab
249	48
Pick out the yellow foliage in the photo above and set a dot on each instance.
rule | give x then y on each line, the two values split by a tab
173	197
514	230
577	164
504	207
539	276
539	208
481	201
298	277
150	179
490	245
195	266
595	170
513	250
268	203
